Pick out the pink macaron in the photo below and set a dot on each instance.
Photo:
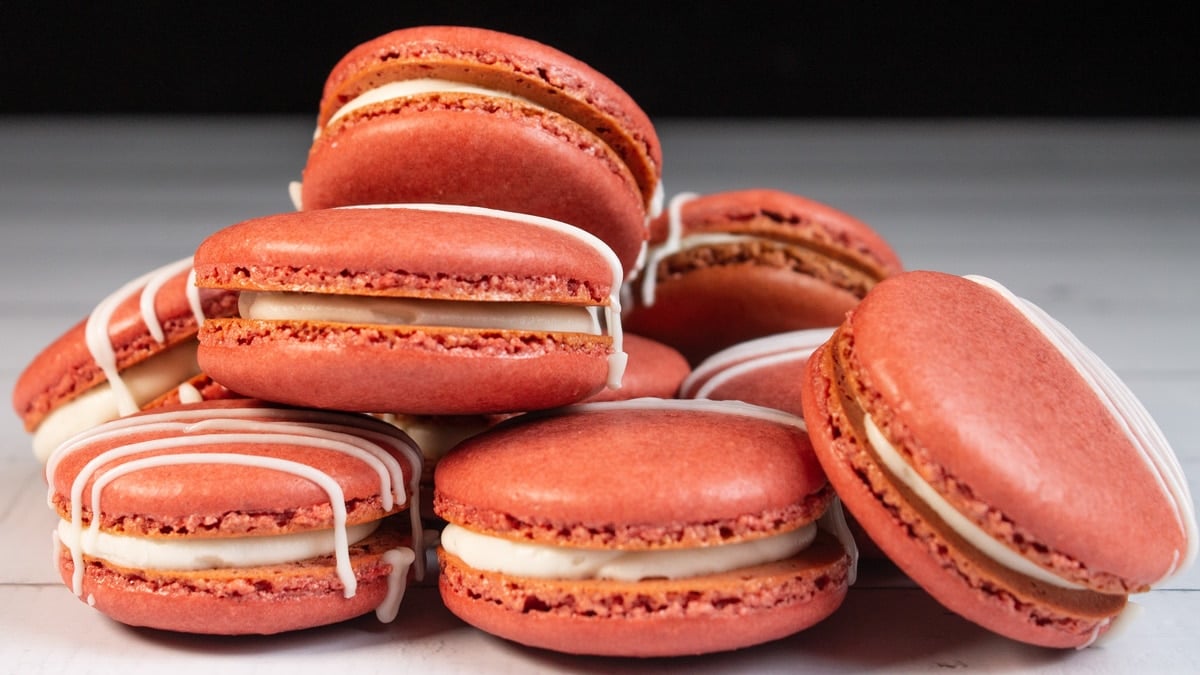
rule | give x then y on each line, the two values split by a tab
418	309
237	517
729	267
995	459
648	527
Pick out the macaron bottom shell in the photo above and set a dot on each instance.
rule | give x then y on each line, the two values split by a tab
403	369
918	541
657	617
243	601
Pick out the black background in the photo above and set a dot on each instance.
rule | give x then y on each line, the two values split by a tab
794	59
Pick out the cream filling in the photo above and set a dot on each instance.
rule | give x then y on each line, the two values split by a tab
417	87
205	553
992	548
544	561
145	382
528	316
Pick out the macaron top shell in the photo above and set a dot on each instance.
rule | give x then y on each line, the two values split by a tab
508	63
637	474
67	368
993	415
407	252
231	468
788	216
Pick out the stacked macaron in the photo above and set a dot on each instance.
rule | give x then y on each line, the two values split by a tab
477	224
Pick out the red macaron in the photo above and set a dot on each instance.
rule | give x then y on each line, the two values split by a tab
995	459
647	527
236	517
136	349
461	115
418	309
732	266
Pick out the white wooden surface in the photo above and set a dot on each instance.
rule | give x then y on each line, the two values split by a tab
1097	222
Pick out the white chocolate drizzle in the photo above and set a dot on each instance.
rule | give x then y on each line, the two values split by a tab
612	311
338	432
100	344
1126	410
739	359
686	405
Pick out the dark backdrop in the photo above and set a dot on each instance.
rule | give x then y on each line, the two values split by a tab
677	59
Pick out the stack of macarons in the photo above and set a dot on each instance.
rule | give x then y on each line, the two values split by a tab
436	338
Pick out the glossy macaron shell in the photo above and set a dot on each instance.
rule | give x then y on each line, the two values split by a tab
469	149
430	253
66	369
510	63
598	476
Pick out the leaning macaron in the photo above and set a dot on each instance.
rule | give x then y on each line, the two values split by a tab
417	309
237	517
995	459
647	527
732	266
766	371
453	114
137	346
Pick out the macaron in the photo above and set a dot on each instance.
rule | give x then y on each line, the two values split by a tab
137	346
461	115
237	517
732	266
647	527
995	459
417	309
766	371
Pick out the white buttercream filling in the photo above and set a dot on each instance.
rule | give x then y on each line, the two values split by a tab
145	381
207	553
994	549
417	87
557	562
528	316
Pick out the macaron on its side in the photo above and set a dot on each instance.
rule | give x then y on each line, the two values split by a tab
456	148
566	534
233	517
510	64
425	325
970	448
138	344
734	266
